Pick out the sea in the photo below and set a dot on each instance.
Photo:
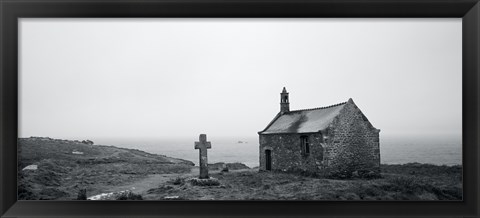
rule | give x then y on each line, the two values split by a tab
438	150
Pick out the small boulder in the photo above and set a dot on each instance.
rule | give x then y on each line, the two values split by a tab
171	197
77	152
31	167
224	168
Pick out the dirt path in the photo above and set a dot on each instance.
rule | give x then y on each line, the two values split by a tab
151	181
154	180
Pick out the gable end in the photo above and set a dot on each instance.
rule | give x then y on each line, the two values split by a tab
364	118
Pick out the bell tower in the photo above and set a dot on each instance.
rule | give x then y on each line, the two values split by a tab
284	102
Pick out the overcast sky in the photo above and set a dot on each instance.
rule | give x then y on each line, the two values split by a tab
88	78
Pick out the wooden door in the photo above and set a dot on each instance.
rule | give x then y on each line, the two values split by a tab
268	159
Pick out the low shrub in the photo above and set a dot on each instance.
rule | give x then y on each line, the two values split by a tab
364	191
51	193
82	194
25	192
178	181
237	166
339	175
422	169
205	182
406	184
128	195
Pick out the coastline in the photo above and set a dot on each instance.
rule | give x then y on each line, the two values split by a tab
63	167
439	151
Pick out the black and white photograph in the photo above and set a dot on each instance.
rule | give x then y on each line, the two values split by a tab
240	109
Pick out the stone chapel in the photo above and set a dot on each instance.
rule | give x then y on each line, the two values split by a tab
333	141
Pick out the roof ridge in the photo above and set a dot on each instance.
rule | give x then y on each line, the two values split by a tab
310	109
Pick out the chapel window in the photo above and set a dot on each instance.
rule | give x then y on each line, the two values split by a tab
305	145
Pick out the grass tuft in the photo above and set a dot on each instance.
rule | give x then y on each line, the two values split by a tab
178	181
205	182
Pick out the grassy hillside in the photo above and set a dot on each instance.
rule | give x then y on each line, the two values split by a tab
65	167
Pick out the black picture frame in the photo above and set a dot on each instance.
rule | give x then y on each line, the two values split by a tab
11	10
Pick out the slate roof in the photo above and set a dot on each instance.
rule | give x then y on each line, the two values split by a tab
303	121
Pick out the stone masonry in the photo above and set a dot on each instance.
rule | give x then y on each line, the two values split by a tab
341	140
287	153
352	144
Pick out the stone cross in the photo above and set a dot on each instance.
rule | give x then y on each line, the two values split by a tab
203	145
